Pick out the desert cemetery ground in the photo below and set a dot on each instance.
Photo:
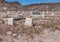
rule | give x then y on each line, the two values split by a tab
42	30
29	23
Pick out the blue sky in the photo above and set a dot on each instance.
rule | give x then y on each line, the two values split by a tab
25	2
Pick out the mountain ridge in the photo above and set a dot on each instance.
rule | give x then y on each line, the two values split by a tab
31	7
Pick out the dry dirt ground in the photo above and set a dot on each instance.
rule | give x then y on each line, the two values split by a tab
41	31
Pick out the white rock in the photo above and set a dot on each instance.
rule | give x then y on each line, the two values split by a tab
9	32
4	8
14	34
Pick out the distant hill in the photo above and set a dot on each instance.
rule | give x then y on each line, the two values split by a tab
41	7
10	5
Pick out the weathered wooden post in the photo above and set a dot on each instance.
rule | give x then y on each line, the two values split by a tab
10	21
28	22
43	15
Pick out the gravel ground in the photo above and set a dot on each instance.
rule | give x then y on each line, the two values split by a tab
37	33
47	36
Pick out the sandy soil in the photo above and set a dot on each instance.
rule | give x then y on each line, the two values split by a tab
39	32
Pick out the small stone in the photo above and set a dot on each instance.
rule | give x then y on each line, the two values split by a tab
14	34
9	32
